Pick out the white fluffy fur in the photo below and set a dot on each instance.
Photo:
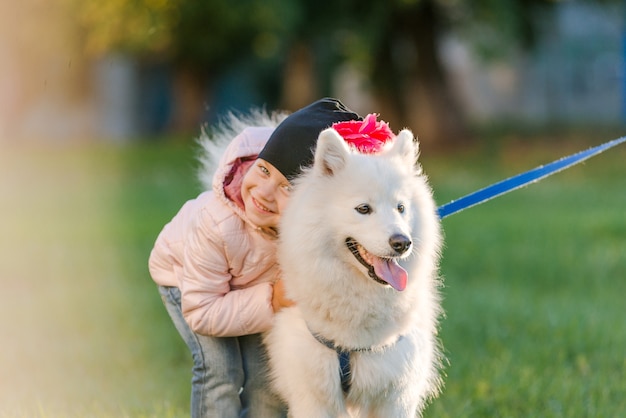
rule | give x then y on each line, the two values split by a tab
335	297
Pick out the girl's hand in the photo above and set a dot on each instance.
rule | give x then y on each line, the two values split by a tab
279	300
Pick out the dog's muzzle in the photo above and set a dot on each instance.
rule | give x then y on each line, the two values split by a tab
383	270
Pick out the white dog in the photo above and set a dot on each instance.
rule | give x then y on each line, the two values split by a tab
359	250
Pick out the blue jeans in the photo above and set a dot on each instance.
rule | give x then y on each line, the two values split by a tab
229	373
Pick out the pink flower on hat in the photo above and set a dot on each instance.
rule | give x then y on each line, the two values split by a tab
368	135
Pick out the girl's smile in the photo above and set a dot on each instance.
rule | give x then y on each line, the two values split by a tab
265	192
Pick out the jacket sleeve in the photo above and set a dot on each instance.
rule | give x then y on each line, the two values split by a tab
209	305
160	265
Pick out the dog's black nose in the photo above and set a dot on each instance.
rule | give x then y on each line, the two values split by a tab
400	243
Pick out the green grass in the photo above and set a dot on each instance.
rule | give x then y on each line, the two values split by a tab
534	288
534	283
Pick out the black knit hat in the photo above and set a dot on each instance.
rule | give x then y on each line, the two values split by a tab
291	145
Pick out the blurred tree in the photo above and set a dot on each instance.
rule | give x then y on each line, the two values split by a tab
397	44
134	27
301	43
202	40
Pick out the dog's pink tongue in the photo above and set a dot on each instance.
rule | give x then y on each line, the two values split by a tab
391	272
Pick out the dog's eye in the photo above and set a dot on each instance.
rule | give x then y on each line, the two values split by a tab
364	209
400	208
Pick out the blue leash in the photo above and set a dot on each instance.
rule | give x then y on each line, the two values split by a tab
523	179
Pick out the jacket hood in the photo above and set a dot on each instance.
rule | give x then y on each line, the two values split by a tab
226	156
217	145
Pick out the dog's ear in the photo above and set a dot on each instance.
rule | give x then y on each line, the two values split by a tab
331	153
406	147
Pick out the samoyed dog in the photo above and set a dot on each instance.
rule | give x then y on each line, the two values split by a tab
359	250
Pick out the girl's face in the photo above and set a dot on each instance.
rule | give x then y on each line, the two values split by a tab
265	192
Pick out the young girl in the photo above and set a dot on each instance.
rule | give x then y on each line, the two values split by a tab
215	262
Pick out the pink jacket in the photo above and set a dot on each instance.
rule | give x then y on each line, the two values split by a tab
222	263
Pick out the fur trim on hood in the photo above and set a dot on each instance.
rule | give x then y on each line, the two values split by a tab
214	140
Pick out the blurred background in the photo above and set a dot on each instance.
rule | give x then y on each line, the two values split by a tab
116	69
100	104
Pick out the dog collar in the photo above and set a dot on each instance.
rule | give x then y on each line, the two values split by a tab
343	355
